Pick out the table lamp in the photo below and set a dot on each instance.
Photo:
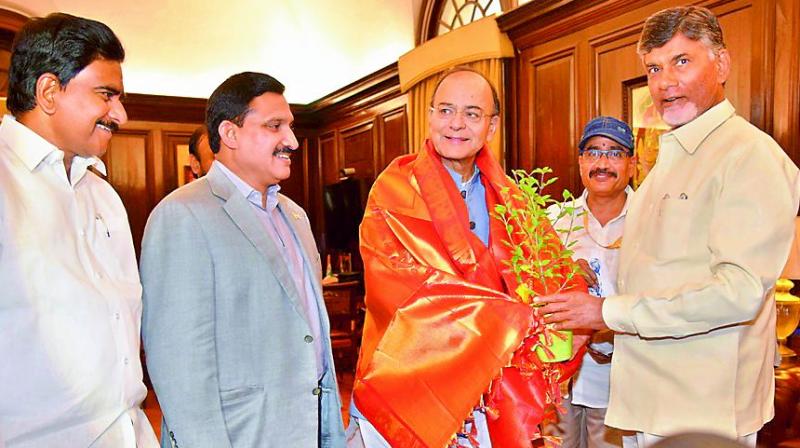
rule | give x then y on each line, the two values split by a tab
787	306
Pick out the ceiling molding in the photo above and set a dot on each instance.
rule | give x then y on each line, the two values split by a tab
143	107
370	90
12	20
542	20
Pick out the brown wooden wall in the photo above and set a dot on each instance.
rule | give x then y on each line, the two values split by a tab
575	59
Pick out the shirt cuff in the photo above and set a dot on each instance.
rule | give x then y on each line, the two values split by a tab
617	311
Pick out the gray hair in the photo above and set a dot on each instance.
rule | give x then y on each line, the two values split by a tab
694	22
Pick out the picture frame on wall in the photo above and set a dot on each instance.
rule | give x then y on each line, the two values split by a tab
640	113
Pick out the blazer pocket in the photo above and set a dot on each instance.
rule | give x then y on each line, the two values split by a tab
243	409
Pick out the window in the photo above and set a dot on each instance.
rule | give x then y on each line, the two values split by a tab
457	13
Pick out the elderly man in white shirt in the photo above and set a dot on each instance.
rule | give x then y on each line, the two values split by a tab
70	307
607	163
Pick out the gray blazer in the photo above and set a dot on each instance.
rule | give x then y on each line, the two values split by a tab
226	341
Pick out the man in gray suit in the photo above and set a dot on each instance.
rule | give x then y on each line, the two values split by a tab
235	329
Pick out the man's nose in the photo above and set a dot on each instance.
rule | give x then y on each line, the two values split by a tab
117	112
667	79
458	122
290	140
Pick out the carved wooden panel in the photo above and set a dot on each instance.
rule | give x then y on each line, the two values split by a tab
394	140
550	104
357	150
329	159
615	61
174	141
129	172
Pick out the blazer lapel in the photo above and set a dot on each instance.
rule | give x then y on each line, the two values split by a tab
239	210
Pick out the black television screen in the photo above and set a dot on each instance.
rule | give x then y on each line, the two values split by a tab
343	213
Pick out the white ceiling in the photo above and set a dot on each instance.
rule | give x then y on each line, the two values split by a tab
187	48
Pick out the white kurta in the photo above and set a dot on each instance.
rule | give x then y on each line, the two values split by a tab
706	236
591	385
70	303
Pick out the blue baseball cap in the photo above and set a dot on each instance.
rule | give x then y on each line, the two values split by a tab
610	127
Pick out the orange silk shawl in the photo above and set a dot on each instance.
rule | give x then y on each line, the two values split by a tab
441	327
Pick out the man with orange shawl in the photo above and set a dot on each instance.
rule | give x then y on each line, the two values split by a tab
446	352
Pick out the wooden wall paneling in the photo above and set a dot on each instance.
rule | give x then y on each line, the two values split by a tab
394	136
357	150
613	61
743	37
172	140
786	85
552	112
161	108
314	187
128	172
328	157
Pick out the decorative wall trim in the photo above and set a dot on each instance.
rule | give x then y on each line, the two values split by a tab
550	19
173	109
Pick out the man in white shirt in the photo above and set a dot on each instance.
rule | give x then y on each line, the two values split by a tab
606	162
70	306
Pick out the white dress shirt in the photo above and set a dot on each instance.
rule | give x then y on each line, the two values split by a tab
591	385
70	303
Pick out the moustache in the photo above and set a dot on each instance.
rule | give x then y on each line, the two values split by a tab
109	124
287	150
605	171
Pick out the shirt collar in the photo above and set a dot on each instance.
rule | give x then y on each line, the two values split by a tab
580	202
457	177
32	149
251	194
692	134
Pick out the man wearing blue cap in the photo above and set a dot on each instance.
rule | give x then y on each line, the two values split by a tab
606	163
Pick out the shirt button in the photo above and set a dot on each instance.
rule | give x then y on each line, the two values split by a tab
308	338
464	194
316	391
125	361
472	225
116	316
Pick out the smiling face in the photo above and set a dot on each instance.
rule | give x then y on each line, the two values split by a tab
259	151
685	78
88	110
604	176
455	138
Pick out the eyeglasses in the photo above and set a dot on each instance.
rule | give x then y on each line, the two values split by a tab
613	155
471	115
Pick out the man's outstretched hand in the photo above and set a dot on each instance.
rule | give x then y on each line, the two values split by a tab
573	310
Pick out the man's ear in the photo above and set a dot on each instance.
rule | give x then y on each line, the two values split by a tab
228	132
47	87
194	164
723	62
493	123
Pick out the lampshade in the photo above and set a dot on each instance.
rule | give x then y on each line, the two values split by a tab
792	268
